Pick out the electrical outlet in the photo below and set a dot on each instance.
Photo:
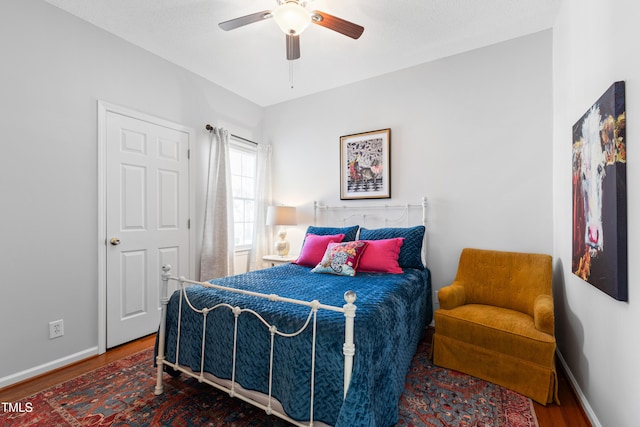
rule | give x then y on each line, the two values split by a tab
56	329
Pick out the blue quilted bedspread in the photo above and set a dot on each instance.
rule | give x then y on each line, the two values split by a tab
392	311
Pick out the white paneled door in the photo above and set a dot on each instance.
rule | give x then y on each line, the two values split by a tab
147	219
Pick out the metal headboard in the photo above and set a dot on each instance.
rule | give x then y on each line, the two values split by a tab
373	216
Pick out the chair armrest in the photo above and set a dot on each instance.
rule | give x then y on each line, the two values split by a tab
451	296
543	316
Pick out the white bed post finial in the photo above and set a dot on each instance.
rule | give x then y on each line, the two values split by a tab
424	223
424	211
349	348
164	300
315	212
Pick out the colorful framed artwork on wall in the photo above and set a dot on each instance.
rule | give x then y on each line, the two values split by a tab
600	194
365	165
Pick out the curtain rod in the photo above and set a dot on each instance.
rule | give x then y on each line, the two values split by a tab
211	128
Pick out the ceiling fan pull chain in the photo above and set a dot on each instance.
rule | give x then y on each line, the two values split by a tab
291	73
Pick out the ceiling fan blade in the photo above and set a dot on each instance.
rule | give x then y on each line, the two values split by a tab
245	20
334	23
293	47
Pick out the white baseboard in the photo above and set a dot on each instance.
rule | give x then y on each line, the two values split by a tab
49	366
581	397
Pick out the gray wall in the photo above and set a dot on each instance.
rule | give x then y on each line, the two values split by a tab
54	70
594	46
472	132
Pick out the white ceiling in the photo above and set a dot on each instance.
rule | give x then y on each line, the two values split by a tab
251	61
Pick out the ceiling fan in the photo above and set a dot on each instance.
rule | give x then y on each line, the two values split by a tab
293	18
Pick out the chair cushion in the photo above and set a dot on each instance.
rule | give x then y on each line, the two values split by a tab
500	329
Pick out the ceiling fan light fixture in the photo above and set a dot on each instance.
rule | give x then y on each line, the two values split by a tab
291	17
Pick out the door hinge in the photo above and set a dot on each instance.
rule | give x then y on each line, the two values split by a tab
189	153
189	224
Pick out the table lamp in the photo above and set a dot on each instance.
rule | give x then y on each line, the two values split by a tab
282	215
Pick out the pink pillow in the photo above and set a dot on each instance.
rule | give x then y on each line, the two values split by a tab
314	247
381	256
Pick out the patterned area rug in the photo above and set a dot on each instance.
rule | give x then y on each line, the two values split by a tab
121	394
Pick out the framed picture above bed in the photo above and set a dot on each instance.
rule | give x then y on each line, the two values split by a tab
365	165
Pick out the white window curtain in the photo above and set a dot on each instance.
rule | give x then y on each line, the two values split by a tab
261	237
216	257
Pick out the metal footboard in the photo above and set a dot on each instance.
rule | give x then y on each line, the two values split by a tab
235	390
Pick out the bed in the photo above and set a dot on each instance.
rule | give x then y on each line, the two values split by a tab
310	347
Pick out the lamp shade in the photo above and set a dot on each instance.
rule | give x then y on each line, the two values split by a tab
292	18
281	215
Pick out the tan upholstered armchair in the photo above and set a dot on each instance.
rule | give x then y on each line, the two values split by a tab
496	322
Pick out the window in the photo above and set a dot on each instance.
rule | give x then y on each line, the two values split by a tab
243	180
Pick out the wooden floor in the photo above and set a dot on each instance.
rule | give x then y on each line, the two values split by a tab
18	391
568	414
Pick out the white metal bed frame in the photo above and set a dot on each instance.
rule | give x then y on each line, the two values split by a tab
269	404
376	212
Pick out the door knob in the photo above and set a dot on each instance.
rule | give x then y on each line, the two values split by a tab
115	241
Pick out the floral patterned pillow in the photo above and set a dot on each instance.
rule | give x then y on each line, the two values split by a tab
341	258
